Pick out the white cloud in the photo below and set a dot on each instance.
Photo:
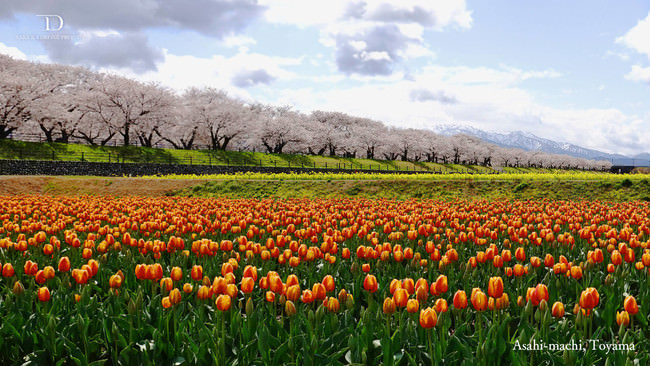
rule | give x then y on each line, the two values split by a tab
303	13
637	37
238	41
372	37
183	71
639	73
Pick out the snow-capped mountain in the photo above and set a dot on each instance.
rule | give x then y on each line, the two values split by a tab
527	141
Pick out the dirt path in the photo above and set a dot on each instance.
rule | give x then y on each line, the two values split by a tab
57	185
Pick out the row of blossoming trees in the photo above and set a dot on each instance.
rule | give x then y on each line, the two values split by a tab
65	103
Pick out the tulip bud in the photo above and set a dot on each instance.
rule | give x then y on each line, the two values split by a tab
289	308
349	301
131	308
18	288
543	305
354	268
320	312
249	307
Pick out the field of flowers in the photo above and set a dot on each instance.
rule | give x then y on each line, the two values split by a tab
172	280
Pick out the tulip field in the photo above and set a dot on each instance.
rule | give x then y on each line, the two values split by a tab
92	280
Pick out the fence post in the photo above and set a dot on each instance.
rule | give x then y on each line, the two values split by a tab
190	160
210	160
82	156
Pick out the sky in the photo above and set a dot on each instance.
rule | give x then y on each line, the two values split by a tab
571	71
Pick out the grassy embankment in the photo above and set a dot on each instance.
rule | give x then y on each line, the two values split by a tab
13	149
623	190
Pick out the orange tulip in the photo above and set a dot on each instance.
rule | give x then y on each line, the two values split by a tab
187	288
479	300
441	285
292	279
166	284
270	296
275	284
370	283
630	305
231	290
400	297
333	304
412	306
8	270
408	285
293	292
43	294
541	292
197	273
549	261
422	293
307	297
623	318
460	299
441	306
319	291
558	309
495	287
204	293
576	272
175	296
247	285
394	285
64	264
389	306
428	318
328	282
250	271
520	254
115	281
535	262
223	302
518	269
176	274
503	302
166	302
589	298
39	277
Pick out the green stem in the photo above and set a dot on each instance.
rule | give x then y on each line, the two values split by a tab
433	361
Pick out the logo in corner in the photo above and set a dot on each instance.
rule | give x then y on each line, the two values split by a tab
53	22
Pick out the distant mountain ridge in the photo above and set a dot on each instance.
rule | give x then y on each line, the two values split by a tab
527	141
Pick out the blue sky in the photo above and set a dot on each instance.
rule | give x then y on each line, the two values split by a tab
573	71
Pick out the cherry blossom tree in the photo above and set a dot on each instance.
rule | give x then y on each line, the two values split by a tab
276	128
131	108
218	118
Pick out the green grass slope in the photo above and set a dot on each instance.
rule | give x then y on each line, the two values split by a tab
422	189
